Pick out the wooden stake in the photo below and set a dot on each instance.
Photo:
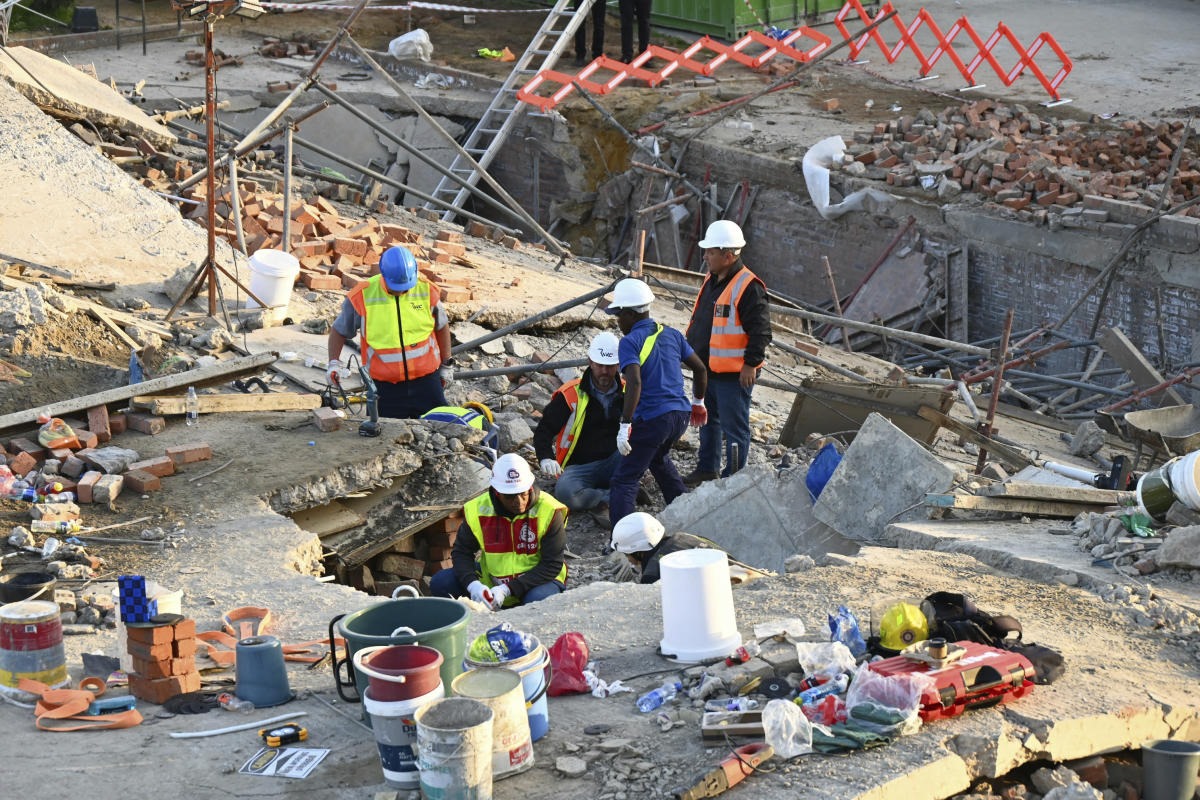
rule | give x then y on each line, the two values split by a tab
837	303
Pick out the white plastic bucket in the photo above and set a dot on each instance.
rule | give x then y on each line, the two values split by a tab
454	750
697	605
501	690
272	275
169	602
1185	480
395	726
534	669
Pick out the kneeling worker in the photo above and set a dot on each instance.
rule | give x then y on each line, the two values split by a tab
576	438
510	546
643	541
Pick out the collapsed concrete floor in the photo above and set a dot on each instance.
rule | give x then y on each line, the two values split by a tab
1130	644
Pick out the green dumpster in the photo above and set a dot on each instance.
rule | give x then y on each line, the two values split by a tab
730	19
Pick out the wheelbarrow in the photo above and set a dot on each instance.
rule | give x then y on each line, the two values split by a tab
1173	430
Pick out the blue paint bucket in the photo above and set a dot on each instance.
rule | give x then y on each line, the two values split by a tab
535	671
261	674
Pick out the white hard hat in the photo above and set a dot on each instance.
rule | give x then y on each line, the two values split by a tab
511	474
724	234
630	293
637	533
603	349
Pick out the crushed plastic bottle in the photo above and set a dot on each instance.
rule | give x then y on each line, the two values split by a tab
743	654
57	497
835	686
731	704
63	527
656	697
231	702
192	406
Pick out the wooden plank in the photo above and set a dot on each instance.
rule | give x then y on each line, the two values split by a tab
103	318
161	331
1013	505
1009	455
1069	494
217	403
326	520
1130	358
194	377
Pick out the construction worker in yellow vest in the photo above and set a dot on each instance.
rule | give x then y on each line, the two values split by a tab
576	438
730	330
510	546
405	341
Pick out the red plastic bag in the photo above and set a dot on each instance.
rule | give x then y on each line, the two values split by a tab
569	658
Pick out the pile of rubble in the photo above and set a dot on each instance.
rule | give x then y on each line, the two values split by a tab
1023	161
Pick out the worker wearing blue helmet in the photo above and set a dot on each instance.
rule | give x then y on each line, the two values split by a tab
405	336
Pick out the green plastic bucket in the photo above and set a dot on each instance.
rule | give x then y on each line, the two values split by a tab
430	621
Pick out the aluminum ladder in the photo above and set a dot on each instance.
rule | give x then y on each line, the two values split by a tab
502	114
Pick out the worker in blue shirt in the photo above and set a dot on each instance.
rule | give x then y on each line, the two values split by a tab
656	411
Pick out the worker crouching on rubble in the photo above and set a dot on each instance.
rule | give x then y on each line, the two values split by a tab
405	341
576	438
644	542
510	546
656	409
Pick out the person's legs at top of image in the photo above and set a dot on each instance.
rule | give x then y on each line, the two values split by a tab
673	425
628	10
582	487
642	11
599	12
734	401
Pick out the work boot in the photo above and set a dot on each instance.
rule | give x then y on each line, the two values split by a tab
697	477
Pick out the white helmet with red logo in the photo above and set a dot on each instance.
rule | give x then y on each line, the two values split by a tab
511	474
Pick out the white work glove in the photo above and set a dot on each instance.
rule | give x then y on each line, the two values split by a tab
499	595
551	468
446	373
480	593
334	371
623	446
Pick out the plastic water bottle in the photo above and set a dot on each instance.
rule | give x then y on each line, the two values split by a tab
18	491
656	697
192	406
731	704
63	527
835	686
57	497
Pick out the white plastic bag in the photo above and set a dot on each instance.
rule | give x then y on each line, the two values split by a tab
414	44
816	175
901	692
787	730
824	658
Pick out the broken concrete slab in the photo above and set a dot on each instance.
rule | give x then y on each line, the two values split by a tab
66	92
758	515
883	477
1181	549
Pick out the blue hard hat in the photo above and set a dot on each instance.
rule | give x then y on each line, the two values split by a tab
399	269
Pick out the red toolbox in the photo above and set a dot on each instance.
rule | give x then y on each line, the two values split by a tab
984	676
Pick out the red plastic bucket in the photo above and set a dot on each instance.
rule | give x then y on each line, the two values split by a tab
400	671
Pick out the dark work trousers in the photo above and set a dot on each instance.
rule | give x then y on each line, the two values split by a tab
652	441
410	399
597	33
629	10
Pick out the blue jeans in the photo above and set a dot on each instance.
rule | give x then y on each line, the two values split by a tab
728	406
584	486
652	441
444	584
410	399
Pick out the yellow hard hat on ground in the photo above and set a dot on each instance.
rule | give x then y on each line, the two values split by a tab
903	624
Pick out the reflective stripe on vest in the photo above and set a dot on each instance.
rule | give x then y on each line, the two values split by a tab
728	341
648	345
564	444
510	546
398	341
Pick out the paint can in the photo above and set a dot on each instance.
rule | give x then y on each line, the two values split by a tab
1185	480
454	750
697	606
534	669
501	690
399	672
31	647
261	674
1154	493
394	724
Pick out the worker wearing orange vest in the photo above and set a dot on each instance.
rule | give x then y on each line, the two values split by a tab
730	330
405	342
576	438
511	545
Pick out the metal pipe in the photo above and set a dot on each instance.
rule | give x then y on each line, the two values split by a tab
986	426
235	203
894	333
554	244
525	323
288	133
829	365
1095	398
520	369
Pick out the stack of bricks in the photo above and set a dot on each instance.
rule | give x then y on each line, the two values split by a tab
1023	161
417	557
164	659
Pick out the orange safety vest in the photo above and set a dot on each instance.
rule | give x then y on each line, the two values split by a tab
728	340
564	443
398	342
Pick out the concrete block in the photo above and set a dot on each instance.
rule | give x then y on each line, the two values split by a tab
72	467
107	489
514	432
1181	549
883	477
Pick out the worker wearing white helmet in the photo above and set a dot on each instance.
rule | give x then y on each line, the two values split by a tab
511	544
730	330
644	541
656	408
576	438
